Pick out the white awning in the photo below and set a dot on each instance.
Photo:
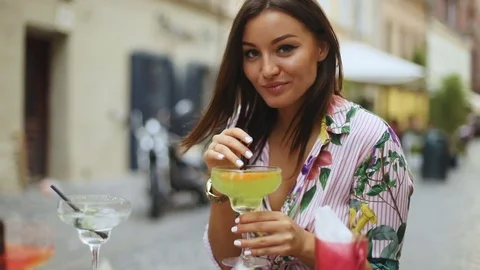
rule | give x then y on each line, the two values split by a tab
366	64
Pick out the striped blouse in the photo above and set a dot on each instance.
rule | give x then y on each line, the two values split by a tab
357	167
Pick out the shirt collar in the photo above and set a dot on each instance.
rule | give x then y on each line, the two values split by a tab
339	114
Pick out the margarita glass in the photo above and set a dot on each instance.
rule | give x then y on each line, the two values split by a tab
98	215
246	189
29	244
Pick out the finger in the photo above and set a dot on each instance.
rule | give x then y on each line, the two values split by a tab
263	242
213	155
258	216
233	143
264	227
238	134
282	250
229	155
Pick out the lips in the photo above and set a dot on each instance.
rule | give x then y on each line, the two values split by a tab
274	84
275	87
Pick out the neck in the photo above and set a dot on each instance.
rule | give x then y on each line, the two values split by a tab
286	118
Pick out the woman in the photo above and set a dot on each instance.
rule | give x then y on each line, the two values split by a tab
278	81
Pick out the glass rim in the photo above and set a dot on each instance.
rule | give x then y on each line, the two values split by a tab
247	169
98	196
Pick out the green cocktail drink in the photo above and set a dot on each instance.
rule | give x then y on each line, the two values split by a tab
246	188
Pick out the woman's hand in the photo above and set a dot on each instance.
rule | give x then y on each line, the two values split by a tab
227	147
284	237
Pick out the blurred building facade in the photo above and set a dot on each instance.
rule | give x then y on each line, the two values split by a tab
354	19
378	39
403	35
65	78
450	42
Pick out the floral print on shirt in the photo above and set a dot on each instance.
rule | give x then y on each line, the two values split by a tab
357	167
378	188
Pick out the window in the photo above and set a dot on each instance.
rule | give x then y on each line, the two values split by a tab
405	50
362	15
376	22
451	12
388	36
346	13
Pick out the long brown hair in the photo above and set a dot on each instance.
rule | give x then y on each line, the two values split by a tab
233	89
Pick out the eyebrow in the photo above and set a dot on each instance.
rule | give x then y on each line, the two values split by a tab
276	40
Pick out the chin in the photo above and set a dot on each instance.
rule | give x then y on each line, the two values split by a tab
278	103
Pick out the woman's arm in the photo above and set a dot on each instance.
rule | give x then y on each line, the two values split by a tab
380	201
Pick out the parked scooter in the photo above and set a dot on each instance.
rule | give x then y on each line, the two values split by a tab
153	158
187	170
169	170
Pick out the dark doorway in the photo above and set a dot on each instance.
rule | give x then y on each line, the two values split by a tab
36	104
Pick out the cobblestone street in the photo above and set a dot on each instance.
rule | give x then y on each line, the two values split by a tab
444	225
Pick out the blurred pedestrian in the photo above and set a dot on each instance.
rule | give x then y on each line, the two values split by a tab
412	141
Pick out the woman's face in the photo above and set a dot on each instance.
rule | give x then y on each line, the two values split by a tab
280	57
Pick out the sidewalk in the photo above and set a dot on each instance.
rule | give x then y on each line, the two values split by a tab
444	220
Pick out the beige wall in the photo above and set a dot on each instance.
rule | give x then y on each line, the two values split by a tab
395	26
11	41
404	26
90	79
354	19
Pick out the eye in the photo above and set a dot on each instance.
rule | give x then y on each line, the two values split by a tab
251	53
285	49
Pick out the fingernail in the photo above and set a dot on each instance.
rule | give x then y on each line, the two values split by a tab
248	139
239	163
247	253
237	243
237	220
220	156
248	154
234	229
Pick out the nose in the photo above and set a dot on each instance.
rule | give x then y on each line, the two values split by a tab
269	68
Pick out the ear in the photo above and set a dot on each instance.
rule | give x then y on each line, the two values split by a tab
323	49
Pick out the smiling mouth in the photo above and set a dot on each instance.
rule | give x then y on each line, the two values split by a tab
275	85
276	88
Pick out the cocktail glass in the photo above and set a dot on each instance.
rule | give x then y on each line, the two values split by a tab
28	245
246	189
98	215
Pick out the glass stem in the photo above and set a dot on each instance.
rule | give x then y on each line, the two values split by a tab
246	258
95	249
